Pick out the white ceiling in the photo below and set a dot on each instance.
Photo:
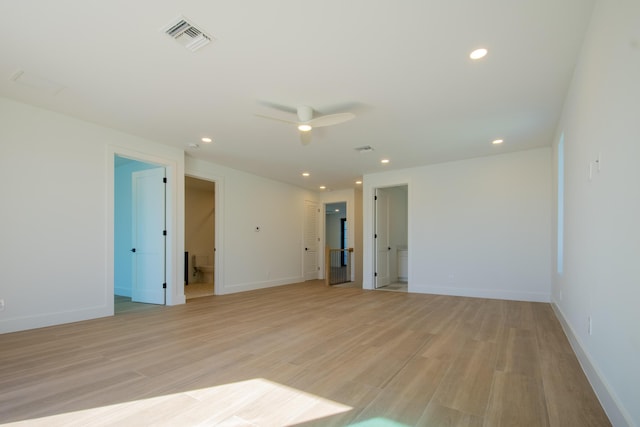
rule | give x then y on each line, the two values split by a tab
402	66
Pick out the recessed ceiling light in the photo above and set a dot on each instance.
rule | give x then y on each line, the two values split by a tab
322	187
304	128
358	182
305	174
206	140
337	210
478	53
497	141
384	161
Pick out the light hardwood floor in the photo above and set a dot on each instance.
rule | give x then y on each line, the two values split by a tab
302	354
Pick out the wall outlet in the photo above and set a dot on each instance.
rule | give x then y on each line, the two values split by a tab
2	304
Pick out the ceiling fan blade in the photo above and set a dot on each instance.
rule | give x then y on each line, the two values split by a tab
291	122
331	119
305	137
279	107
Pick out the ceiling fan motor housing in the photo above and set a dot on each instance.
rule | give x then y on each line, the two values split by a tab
305	113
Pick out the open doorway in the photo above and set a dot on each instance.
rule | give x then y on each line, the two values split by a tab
199	237
338	255
391	239
140	273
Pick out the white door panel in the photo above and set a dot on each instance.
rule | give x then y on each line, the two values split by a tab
310	255
148	246
383	250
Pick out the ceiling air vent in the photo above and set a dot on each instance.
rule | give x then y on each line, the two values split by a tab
364	149
187	34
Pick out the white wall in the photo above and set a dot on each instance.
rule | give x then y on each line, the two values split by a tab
56	230
601	276
357	233
478	227
333	224
246	259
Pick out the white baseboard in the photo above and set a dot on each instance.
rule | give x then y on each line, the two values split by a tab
481	293
618	416
261	285
50	319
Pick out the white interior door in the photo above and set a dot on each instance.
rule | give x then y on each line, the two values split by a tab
383	251
148	246
311	239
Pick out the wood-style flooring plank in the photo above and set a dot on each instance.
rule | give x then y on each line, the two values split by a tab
301	354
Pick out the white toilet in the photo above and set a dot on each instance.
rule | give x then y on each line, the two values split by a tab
204	265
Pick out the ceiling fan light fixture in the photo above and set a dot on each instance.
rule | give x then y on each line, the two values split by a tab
478	53
304	128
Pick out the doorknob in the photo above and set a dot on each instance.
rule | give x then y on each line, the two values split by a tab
388	248
306	249
133	249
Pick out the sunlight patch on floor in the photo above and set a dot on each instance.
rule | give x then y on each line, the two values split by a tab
247	403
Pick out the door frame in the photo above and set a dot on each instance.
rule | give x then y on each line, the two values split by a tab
218	213
371	184
219	283
174	245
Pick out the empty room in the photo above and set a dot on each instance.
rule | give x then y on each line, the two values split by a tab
183	180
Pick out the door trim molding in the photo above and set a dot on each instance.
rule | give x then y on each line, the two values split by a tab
173	263
371	183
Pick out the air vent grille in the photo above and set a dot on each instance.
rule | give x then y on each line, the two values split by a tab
187	34
364	149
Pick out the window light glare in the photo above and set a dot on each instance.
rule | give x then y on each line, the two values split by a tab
497	141
478	53
304	128
206	140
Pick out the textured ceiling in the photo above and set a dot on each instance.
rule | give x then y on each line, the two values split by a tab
401	66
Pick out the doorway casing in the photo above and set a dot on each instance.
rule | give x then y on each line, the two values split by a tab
174	241
218	236
369	226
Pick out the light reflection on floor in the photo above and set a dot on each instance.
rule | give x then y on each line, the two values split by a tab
247	403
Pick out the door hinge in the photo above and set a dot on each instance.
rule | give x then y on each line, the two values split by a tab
375	197
318	268
164	232
164	180
375	236
164	286
375	274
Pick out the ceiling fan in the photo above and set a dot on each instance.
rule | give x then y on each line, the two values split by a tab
306	122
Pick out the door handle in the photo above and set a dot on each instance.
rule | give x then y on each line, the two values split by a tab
306	249
388	248
133	249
